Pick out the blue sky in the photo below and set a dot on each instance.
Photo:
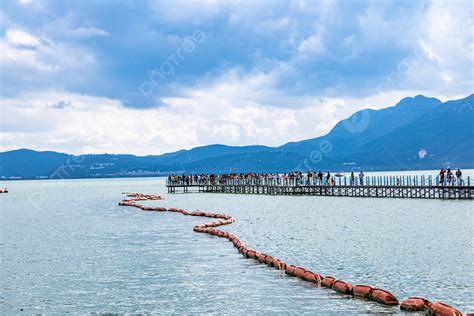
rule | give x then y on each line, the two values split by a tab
148	77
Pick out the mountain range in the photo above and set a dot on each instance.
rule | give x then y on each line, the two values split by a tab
417	133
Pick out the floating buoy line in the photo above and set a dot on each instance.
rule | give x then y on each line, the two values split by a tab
411	304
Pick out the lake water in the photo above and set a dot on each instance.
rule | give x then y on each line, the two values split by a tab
66	246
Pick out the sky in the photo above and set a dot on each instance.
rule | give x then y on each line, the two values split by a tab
149	77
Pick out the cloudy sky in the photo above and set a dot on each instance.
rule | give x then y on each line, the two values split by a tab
148	77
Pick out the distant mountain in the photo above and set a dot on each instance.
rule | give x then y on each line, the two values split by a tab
367	125
204	152
392	138
416	133
445	133
29	163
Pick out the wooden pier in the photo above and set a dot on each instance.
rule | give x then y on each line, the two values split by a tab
379	191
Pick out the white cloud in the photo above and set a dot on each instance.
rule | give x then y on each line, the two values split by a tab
389	24
312	46
239	109
19	37
83	124
231	109
448	37
29	62
88	124
19	50
87	32
440	61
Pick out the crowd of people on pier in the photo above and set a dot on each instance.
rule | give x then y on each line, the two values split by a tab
447	177
313	178
290	179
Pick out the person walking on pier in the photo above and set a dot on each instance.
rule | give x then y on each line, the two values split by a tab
441	176
449	176
361	178
320	177
352	178
459	176
328	178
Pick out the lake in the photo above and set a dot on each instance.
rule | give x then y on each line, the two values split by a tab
68	247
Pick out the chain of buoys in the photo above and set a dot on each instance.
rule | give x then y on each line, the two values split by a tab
412	304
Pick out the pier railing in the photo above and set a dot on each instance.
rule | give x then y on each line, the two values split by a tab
408	180
368	186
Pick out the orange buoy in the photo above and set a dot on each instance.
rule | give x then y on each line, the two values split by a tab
279	264
442	309
328	281
362	290
262	258
310	276
290	270
221	233
383	297
342	287
269	261
251	254
299	272
413	304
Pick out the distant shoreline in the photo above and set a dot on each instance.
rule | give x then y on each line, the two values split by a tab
164	175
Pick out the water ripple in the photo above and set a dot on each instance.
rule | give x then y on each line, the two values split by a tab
75	250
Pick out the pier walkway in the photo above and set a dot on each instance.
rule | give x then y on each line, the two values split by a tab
386	186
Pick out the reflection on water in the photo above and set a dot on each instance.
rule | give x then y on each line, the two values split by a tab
68	246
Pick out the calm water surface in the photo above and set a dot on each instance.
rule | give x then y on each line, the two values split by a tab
66	246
